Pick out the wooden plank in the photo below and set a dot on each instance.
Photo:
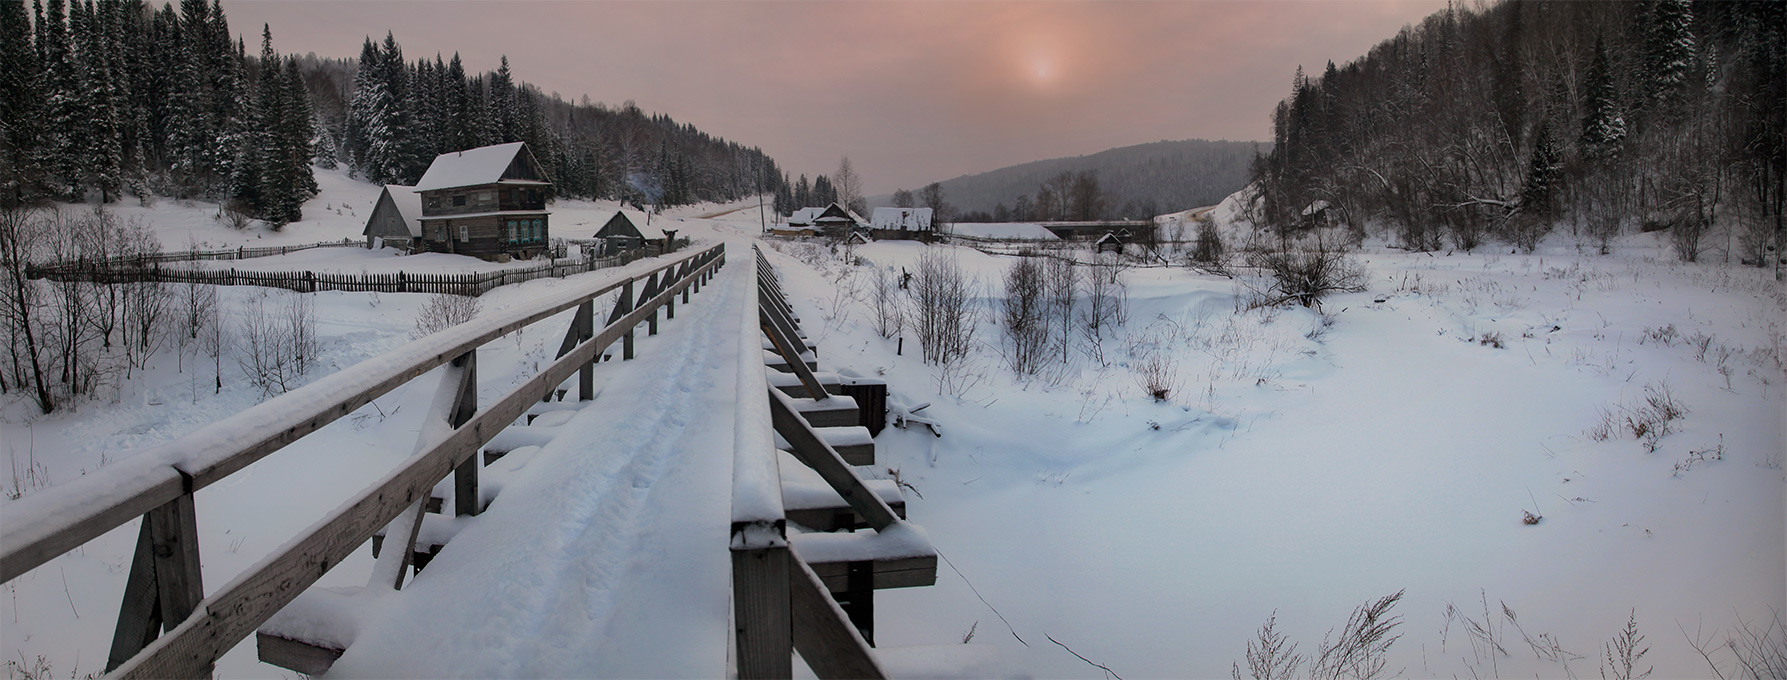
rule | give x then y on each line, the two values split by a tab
762	621
785	346
302	657
810	449
465	404
825	639
905	572
245	603
174	539
23	547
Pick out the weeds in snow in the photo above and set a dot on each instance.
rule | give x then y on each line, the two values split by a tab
1701	457
1267	656
1623	654
1648	419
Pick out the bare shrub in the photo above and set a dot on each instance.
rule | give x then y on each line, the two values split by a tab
278	345
1021	318
885	304
1492	339
1623	653
1157	373
1267	656
445	311
1106	302
1358	652
943	315
1306	275
1063	283
1208	251
235	214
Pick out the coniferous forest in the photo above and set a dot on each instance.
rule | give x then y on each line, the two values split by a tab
106	99
1518	119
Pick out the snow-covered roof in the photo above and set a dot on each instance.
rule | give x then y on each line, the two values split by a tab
471	167
905	219
649	232
839	213
1315	207
1028	231
804	216
409	205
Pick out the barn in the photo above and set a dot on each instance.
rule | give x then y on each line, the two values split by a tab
488	202
900	223
396	218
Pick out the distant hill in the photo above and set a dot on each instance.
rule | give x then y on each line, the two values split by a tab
1174	175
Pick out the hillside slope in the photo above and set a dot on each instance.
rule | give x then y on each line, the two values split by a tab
1175	175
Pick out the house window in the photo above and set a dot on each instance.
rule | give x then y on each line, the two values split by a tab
511	230
458	200
537	231
465	233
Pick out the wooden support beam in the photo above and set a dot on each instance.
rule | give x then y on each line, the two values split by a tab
825	639
586	329
785	346
296	655
465	405
812	450
165	584
139	619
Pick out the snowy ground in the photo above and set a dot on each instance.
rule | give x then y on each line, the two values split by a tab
1304	468
1300	467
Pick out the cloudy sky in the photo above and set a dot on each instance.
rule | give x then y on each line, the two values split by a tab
913	91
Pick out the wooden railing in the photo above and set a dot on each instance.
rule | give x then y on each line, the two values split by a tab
780	605
164	591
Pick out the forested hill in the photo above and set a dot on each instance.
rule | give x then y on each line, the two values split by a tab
1151	178
105	99
1523	118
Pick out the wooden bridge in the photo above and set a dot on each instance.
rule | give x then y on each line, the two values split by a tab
809	543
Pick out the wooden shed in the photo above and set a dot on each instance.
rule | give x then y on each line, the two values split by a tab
396	218
488	202
1109	242
630	229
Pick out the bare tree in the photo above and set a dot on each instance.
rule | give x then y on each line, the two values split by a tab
1023	318
944	316
849	186
1063	285
1305	275
278	346
889	319
25	311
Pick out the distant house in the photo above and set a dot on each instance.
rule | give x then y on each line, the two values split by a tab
837	221
804	217
488	202
396	218
900	223
631	229
1110	242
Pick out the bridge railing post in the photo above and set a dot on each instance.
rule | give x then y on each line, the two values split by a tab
165	584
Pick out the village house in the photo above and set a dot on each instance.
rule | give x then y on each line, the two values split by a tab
836	221
900	223
396	218
488	202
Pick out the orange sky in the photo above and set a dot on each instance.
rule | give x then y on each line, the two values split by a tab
912	91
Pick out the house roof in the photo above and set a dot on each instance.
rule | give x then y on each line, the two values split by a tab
409	206
906	219
837	213
471	167
638	220
804	216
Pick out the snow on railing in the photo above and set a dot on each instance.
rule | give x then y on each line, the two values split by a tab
158	483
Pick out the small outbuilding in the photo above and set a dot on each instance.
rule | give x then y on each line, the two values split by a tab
396	219
1109	242
629	229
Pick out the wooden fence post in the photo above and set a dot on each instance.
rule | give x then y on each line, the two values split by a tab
652	288
763	623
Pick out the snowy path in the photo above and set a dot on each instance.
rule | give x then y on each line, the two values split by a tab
604	556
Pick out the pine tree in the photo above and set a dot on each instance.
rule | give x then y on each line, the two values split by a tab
1603	124
21	99
1543	172
1669	50
102	159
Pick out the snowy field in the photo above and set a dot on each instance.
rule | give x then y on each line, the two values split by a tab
1302	464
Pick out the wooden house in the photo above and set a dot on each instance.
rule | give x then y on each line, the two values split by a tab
396	218
630	229
837	221
488	202
900	223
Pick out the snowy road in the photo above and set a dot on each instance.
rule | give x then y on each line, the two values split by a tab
604	556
